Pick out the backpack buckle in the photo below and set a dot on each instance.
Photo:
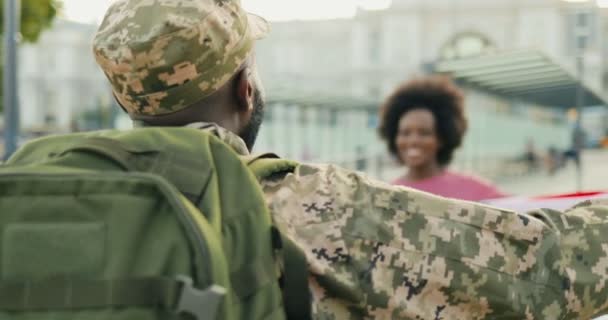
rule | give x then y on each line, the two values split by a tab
201	304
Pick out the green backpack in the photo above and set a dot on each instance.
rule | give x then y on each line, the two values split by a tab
151	223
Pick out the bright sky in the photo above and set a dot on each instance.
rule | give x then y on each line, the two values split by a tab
92	10
600	3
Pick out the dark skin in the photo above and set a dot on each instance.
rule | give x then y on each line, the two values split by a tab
418	143
231	107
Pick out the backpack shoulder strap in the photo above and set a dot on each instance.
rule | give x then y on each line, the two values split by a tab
294	281
294	274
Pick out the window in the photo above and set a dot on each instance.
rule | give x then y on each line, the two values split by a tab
372	119
49	108
333	117
268	112
303	115
375	46
581	30
466	45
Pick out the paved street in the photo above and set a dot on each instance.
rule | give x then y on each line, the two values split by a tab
595	178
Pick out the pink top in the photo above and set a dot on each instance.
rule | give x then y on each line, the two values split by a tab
454	185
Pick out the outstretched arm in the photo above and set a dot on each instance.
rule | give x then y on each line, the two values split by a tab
382	252
579	255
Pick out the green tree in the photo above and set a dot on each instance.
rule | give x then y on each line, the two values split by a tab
36	15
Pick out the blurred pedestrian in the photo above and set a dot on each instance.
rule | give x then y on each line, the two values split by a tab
423	122
576	147
530	156
361	160
554	160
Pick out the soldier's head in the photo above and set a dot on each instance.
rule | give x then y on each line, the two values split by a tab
175	62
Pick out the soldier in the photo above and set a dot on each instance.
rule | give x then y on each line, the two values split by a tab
374	251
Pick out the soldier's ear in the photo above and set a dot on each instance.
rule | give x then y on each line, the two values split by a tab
244	91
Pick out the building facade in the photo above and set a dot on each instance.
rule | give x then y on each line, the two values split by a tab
59	79
326	79
367	56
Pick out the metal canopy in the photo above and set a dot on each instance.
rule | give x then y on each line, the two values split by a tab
526	75
319	100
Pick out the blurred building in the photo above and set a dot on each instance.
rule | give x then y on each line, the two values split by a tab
59	79
338	71
604	42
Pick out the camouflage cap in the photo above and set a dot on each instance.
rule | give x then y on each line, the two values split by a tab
164	55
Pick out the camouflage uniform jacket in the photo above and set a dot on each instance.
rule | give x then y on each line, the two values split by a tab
377	251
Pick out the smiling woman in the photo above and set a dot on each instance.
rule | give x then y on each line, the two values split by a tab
423	123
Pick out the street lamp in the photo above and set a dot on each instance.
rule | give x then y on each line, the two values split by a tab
11	101
582	33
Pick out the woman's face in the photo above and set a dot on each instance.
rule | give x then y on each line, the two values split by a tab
416	140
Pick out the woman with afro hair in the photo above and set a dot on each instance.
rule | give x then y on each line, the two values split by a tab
423	122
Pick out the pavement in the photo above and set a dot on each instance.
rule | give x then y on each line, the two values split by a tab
594	178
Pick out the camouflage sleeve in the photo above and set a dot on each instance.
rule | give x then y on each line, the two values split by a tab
383	252
579	255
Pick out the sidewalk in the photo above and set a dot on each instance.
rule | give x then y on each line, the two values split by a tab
594	178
